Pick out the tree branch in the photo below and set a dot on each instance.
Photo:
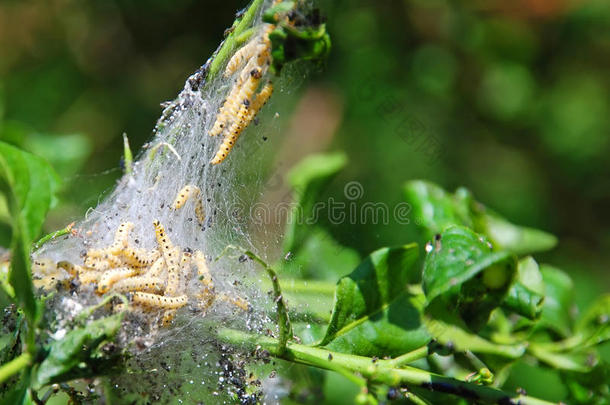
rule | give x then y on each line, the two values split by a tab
377	371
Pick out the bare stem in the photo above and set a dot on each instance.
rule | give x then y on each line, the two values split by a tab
52	236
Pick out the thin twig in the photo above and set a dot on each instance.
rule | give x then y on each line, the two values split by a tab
52	235
407	358
284	326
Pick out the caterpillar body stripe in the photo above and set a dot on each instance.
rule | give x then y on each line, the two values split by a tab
263	54
244	53
184	271
199	211
184	194
173	273
237	301
163	240
228	109
170	253
202	270
140	283
73	269
157	268
121	237
105	262
261	98
159	301
239	93
47	282
139	257
84	276
246	114
89	277
185	262
44	266
112	276
101	254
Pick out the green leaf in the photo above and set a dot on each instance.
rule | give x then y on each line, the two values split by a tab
594	325
80	354
435	209
271	15
516	239
558	302
308	179
590	388
31	186
32	182
374	314
526	295
462	270
66	153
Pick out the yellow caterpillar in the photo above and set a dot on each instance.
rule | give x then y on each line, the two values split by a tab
73	269
237	301
112	276
47	282
159	301
44	266
121	237
249	111
245	115
239	93
101	254
263	54
184	194
173	273
185	262
139	257
105	262
228	109
199	211
207	295
84	276
202	269
261	98
163	240
89	277
170	253
120	242
141	283
243	98
157	268
244	53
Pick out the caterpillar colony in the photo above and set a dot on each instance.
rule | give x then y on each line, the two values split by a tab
251	62
157	279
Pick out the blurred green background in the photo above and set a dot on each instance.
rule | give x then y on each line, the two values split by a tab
509	99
